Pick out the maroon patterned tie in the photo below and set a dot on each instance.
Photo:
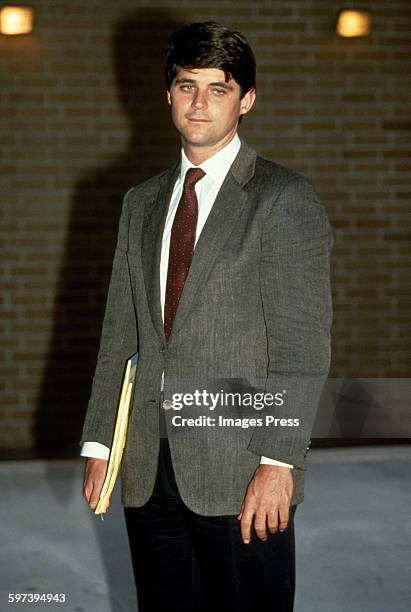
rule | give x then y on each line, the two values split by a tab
182	241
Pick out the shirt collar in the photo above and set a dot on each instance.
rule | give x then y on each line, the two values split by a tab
216	166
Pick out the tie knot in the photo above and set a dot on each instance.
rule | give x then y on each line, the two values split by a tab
193	175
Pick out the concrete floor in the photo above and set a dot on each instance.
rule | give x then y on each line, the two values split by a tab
353	536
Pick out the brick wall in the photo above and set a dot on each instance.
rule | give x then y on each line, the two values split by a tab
83	119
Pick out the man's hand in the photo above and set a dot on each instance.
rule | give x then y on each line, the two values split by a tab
268	499
94	474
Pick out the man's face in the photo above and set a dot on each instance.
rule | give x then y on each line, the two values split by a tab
205	108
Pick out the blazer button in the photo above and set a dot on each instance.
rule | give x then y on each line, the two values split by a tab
167	404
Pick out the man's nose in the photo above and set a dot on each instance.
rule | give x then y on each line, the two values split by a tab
199	99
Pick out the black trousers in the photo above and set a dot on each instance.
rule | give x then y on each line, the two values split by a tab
184	562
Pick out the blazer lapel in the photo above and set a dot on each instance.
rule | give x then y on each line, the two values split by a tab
155	214
228	206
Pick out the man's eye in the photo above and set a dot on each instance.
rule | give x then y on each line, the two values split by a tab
219	92
186	87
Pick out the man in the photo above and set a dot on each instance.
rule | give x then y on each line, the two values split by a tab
221	274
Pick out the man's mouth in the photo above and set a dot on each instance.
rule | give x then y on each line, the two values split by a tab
197	120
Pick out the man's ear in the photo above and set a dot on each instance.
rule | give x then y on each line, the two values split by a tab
247	101
168	97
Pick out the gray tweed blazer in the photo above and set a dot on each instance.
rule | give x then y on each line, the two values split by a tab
255	313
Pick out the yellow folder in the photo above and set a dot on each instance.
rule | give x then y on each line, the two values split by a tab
119	437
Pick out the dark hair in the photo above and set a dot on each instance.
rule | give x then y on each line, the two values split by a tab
211	45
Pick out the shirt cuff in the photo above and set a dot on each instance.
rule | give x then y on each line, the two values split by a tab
100	451
96	450
269	461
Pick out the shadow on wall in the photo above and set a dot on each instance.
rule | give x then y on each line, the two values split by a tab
138	46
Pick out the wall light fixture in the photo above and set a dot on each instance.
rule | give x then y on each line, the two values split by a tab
352	23
16	20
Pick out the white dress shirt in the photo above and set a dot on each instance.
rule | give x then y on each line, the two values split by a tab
216	169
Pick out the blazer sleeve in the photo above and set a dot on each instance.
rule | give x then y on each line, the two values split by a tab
117	343
296	298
